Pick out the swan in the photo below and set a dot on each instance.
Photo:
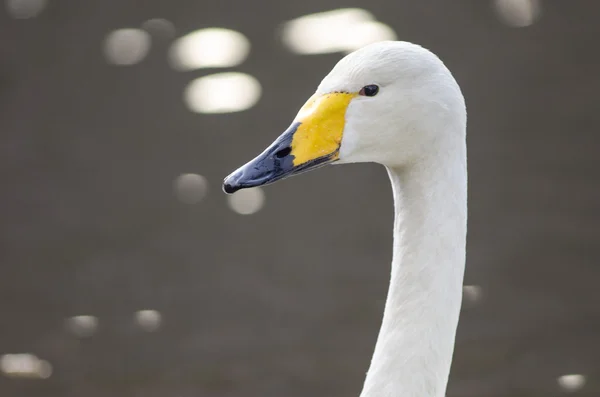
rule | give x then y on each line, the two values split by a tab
394	103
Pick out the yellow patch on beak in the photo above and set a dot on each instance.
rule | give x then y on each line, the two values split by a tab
321	125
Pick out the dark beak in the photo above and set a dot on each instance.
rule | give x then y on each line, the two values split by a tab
275	163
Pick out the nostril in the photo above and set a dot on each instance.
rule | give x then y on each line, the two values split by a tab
283	152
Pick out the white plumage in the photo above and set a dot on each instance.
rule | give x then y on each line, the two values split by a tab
415	126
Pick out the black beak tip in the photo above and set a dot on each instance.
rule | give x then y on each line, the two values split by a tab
230	188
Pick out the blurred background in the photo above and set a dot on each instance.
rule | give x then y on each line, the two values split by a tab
125	271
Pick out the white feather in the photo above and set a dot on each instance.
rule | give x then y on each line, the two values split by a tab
416	127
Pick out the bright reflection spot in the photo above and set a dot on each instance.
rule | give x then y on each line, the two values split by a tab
209	48
159	27
247	201
149	320
571	382
332	31
518	13
25	365
367	33
222	93
126	46
23	9
190	188
82	326
472	293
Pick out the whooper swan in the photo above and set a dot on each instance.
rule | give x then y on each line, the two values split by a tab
396	104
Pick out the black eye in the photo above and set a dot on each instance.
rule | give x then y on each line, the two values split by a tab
369	90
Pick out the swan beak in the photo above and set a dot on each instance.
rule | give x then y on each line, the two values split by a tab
313	140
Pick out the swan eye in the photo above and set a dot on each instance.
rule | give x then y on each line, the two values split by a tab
369	90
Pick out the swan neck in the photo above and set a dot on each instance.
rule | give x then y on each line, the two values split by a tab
415	345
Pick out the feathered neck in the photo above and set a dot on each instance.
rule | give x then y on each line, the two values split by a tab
415	345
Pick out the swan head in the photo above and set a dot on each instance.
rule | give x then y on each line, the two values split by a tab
390	102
